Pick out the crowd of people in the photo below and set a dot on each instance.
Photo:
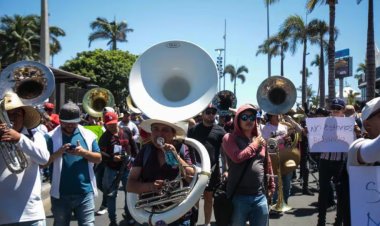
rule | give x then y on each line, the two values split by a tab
80	154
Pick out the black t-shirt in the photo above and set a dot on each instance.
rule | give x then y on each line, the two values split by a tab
211	137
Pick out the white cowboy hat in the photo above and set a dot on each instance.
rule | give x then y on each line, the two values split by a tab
147	124
32	117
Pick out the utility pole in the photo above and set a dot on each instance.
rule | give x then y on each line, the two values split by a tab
225	50
269	60
219	66
44	41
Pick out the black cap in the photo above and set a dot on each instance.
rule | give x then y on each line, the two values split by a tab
70	113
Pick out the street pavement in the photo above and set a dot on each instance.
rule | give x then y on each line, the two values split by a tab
304	212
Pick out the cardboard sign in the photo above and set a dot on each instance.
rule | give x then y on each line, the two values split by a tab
330	134
365	195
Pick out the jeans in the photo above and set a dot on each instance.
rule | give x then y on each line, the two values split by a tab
28	223
108	178
253	208
82	205
286	185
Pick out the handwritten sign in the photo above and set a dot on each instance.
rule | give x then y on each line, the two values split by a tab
330	134
365	195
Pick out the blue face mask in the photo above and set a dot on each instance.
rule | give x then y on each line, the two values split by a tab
170	158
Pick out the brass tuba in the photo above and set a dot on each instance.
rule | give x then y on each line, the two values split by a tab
224	100
96	99
276	95
164	84
33	83
132	106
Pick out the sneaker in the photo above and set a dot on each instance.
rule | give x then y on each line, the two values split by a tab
102	210
307	192
331	208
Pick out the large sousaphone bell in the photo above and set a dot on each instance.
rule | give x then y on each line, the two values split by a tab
173	81
96	99
33	82
224	100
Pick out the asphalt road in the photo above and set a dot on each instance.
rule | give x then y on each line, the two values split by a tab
304	211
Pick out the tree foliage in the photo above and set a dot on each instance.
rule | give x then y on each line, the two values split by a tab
107	68
20	38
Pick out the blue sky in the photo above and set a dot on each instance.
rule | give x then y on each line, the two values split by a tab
202	22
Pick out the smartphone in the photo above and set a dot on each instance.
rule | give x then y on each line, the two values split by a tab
73	146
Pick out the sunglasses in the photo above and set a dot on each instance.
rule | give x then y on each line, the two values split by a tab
209	112
336	108
245	117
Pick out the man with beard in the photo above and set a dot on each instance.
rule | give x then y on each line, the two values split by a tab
74	150
210	135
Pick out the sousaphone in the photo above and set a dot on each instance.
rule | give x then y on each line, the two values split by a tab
33	83
96	99
276	95
224	100
173	81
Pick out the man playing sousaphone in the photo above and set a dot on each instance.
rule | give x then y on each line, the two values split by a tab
153	166
274	129
20	190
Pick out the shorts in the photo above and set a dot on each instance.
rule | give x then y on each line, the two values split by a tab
214	179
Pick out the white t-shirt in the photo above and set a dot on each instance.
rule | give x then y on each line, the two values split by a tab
20	194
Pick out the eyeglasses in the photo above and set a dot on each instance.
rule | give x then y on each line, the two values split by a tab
209	112
245	117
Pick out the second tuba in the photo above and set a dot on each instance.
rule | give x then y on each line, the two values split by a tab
96	99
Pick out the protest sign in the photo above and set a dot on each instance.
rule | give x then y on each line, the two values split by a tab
365	195
330	134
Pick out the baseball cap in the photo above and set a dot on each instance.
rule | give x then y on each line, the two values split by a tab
337	102
70	113
370	108
108	109
49	106
110	118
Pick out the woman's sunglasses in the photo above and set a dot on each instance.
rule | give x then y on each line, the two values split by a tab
245	117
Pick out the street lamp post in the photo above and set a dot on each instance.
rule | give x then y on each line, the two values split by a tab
220	65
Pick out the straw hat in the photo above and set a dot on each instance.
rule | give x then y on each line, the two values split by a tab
147	124
32	117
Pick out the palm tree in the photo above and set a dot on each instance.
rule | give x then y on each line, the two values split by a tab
331	47
299	34
360	71
276	45
230	69
318	30
20	39
370	56
351	97
109	30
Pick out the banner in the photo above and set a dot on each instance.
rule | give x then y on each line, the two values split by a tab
365	195
330	134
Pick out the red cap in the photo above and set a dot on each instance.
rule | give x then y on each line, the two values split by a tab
110	118
49	106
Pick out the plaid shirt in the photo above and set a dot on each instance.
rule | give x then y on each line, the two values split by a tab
108	141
